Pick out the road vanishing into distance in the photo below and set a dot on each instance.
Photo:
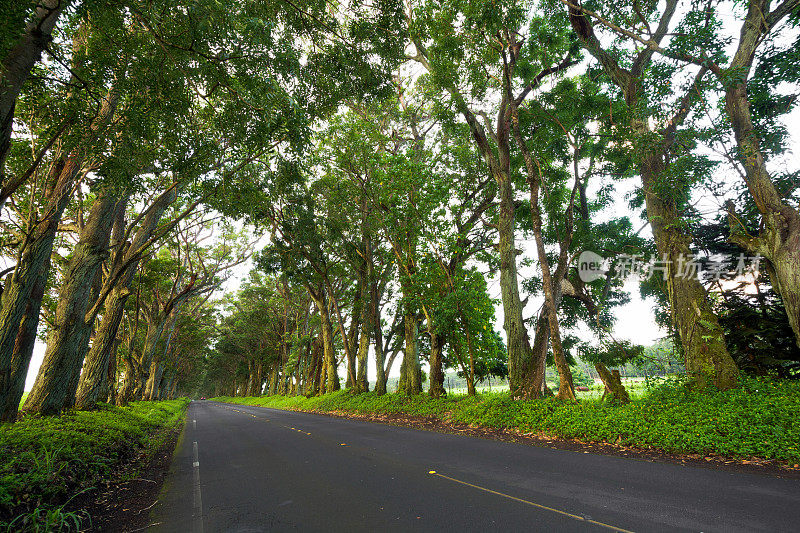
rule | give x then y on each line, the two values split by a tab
248	469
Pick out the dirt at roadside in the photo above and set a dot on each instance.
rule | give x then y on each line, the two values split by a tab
124	506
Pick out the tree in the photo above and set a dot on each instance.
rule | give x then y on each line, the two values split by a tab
612	353
134	74
664	186
433	33
18	60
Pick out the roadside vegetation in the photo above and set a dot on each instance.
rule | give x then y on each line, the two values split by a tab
46	462
757	420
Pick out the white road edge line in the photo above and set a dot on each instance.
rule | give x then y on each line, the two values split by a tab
197	511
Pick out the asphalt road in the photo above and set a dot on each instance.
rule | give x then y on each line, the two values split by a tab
248	469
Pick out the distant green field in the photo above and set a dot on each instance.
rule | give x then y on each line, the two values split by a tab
24	397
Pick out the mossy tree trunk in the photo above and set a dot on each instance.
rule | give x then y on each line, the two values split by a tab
316	367
779	237
273	381
362	357
109	389
34	264
54	389
346	341
14	72
129	379
436	377
410	372
320	299
366	280
519	349
377	328
706	354
550	284
24	289
123	267
353	333
702	340
613	383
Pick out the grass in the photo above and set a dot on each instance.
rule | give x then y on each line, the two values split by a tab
759	419
46	461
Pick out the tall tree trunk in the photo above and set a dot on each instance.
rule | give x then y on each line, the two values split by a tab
779	238
329	354
109	390
142	372
102	350
345	340
499	164
54	389
541	343
154	377
166	384
34	265
23	291
706	354
15	70
613	383
284	377
149	366
352	338
410	371
328	351
436	387
366	275
316	366
377	328
362	357
323	379
704	348
250	376
258	380
160	360
566	388
173	388
125	394
273	381
519	349
13	378
551	284
535	387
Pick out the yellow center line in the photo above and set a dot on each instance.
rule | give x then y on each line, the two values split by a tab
246	413
546	508
267	420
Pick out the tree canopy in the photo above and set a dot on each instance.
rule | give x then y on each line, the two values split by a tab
246	198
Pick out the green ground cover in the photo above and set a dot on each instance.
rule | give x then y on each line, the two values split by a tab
636	387
46	461
759	419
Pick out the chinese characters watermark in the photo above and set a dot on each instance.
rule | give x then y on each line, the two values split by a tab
592	266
